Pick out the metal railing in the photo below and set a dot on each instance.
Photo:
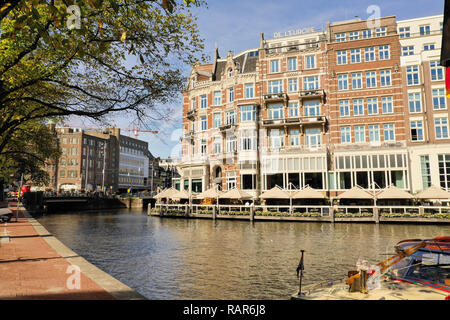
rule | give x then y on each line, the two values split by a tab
310	211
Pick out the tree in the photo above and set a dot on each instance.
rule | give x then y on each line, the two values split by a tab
27	153
91	59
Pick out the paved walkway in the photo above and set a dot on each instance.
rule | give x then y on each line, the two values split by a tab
35	265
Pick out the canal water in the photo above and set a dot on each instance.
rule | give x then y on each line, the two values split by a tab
174	259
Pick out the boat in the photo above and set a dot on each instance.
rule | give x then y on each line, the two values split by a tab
420	270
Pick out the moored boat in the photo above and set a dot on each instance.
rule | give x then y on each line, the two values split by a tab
420	270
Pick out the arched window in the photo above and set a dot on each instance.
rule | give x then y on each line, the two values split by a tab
230	73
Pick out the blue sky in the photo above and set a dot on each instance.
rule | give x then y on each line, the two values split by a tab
236	25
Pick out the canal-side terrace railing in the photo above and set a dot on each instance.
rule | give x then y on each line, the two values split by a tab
321	213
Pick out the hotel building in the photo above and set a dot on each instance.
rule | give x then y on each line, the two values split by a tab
331	109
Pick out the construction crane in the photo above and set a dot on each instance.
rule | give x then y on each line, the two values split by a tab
135	129
136	134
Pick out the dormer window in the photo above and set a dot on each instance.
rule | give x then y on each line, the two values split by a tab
230	73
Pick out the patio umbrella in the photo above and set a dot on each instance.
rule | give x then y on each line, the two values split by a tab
210	193
236	194
394	193
356	193
166	193
308	193
433	193
180	195
275	193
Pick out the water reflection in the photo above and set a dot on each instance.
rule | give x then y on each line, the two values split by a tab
205	259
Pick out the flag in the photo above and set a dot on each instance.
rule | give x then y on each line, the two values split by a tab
447	82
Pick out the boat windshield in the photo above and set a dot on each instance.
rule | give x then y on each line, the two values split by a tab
425	266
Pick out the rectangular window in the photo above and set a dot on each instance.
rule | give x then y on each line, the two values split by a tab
194	103
204	124
344	108
293	85
389	132
439	99
369	54
358	107
312	108
417	130
415	102
248	140
384	52
294	137
385	78
292	64
371	79
203	147
429	46
217	145
437	72
412	75
342	82
441	127
366	34
231	144
293	110
407	50
275	86
313	138
353	36
342	57
346	135
424	30
387	105
374	133
357	81
276	138
249	91
405	32
217	98
425	171
217	120
444	170
310	62
274	66
248	113
311	83
231	117
360	134
203	102
355	55
231	180
231	95
340	37
276	112
380	32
